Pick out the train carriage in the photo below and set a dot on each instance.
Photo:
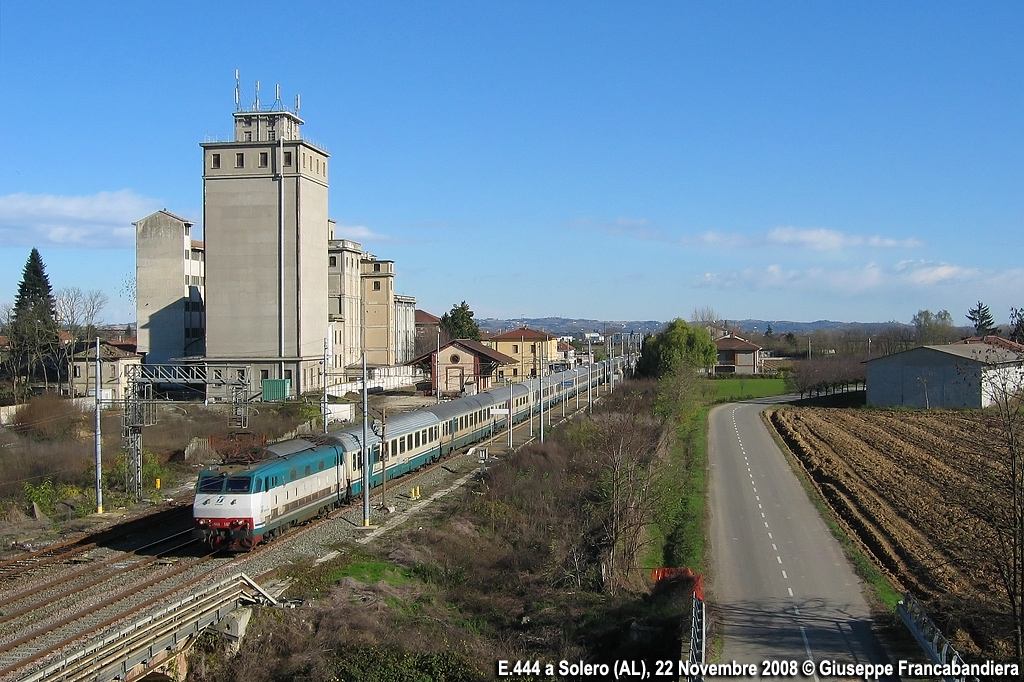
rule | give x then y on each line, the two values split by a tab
240	504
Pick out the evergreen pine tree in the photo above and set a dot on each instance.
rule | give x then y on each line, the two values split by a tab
981	318
34	333
459	323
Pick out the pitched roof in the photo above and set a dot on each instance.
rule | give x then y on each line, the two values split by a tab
481	349
470	346
522	334
735	343
997	341
108	352
423	317
981	352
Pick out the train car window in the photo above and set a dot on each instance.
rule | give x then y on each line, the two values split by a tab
320	466
293	474
212	484
401	445
238	484
258	487
308	470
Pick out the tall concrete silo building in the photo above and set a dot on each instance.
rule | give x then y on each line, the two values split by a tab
266	233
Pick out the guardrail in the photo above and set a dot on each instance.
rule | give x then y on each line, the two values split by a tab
929	636
156	636
698	635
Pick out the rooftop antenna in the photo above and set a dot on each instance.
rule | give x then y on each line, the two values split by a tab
297	102
277	100
238	88
256	103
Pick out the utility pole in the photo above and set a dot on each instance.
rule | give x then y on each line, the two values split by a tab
511	400
437	369
367	452
326	408
99	439
383	433
590	380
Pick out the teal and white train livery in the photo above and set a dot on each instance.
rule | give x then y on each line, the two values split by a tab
240	504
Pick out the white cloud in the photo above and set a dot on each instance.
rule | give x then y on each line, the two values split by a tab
359	233
869	278
102	220
812	239
824	239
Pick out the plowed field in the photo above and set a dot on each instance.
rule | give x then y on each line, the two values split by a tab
918	490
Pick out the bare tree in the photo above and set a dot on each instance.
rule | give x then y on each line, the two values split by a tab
77	313
705	316
992	498
1006	391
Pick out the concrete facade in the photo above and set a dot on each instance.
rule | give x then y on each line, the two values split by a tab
170	277
405	329
344	269
378	288
266	234
953	376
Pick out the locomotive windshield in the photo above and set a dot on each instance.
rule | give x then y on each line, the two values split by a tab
211	484
238	484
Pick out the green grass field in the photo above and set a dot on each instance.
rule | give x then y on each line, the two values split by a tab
740	389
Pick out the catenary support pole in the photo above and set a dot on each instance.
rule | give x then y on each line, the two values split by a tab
366	451
99	439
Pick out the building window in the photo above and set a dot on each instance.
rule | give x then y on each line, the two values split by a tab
78	372
454	359
501	374
333	261
515	347
215	161
239	160
288	374
288	159
376	285
376	267
271	135
515	371
263	159
248	136
264	374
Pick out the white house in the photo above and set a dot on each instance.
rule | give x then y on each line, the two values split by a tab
972	373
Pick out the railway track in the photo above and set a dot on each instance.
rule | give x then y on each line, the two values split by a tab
88	600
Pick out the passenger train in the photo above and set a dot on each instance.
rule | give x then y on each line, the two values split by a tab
239	505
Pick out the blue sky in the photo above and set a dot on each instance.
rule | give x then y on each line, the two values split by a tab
853	161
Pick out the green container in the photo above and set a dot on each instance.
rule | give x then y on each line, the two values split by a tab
276	389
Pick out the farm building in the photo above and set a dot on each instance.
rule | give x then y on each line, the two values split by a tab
969	374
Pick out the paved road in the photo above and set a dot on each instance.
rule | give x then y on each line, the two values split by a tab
782	584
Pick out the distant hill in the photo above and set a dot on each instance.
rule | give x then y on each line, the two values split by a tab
564	326
786	326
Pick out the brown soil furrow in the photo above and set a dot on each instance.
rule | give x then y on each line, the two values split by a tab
913	488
